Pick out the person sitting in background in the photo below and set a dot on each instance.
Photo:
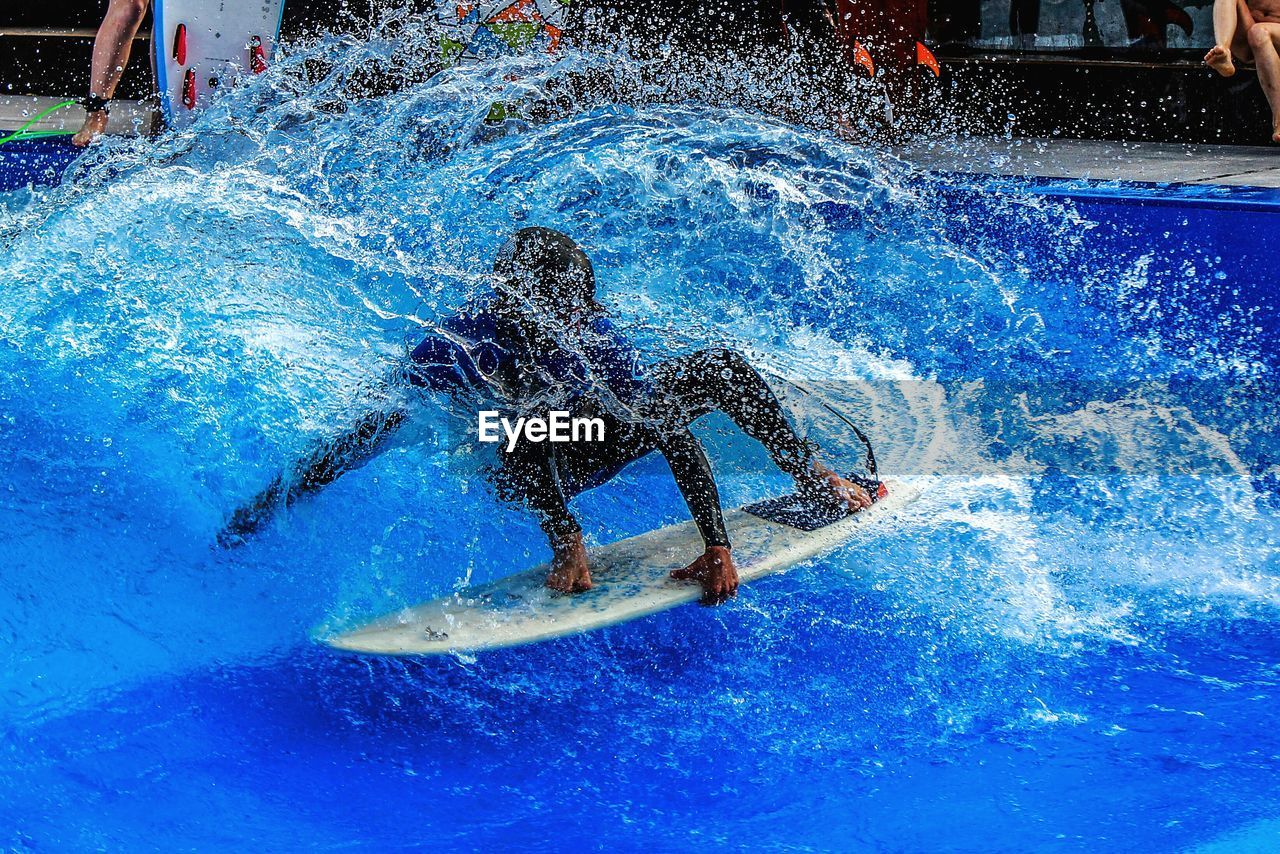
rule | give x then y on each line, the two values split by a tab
111	50
1148	21
1248	31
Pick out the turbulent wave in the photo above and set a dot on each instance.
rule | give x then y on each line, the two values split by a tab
192	313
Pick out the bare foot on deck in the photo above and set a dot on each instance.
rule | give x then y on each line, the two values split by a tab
95	124
1219	59
848	493
569	571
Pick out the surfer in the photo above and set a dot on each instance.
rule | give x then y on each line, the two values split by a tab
111	50
1248	31
543	343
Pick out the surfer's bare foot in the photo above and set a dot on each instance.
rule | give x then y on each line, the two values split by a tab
95	124
852	496
569	570
715	572
1219	59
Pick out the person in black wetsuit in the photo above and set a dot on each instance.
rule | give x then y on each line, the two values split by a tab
544	343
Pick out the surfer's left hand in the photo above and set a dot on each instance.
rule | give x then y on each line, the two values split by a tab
715	572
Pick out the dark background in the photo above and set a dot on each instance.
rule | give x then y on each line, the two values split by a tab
88	13
1133	90
60	65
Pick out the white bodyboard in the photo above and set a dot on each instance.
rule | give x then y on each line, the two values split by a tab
221	39
631	577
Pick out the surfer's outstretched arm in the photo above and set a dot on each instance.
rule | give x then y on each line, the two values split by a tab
329	461
437	364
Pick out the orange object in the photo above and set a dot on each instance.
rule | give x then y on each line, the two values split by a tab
925	57
189	90
862	59
257	55
892	27
180	44
554	33
519	12
526	12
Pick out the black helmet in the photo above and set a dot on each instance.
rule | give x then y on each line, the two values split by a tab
545	268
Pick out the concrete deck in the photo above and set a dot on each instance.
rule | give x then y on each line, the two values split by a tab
62	33
1233	165
16	110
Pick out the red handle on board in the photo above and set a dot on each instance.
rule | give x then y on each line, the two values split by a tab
180	45
257	55
189	90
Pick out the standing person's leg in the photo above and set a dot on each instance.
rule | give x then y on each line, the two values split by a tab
1264	39
1024	21
1231	21
110	56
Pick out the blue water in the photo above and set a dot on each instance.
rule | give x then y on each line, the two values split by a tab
1069	643
26	162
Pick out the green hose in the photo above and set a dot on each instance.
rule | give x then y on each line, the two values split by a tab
23	133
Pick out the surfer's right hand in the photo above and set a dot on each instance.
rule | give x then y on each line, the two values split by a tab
715	572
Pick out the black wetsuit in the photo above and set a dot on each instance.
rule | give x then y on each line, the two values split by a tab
600	375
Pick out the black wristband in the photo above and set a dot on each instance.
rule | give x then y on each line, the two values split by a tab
94	104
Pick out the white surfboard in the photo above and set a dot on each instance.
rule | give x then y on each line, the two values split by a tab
631	577
201	45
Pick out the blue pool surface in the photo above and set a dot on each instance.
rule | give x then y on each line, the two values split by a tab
34	161
1069	643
